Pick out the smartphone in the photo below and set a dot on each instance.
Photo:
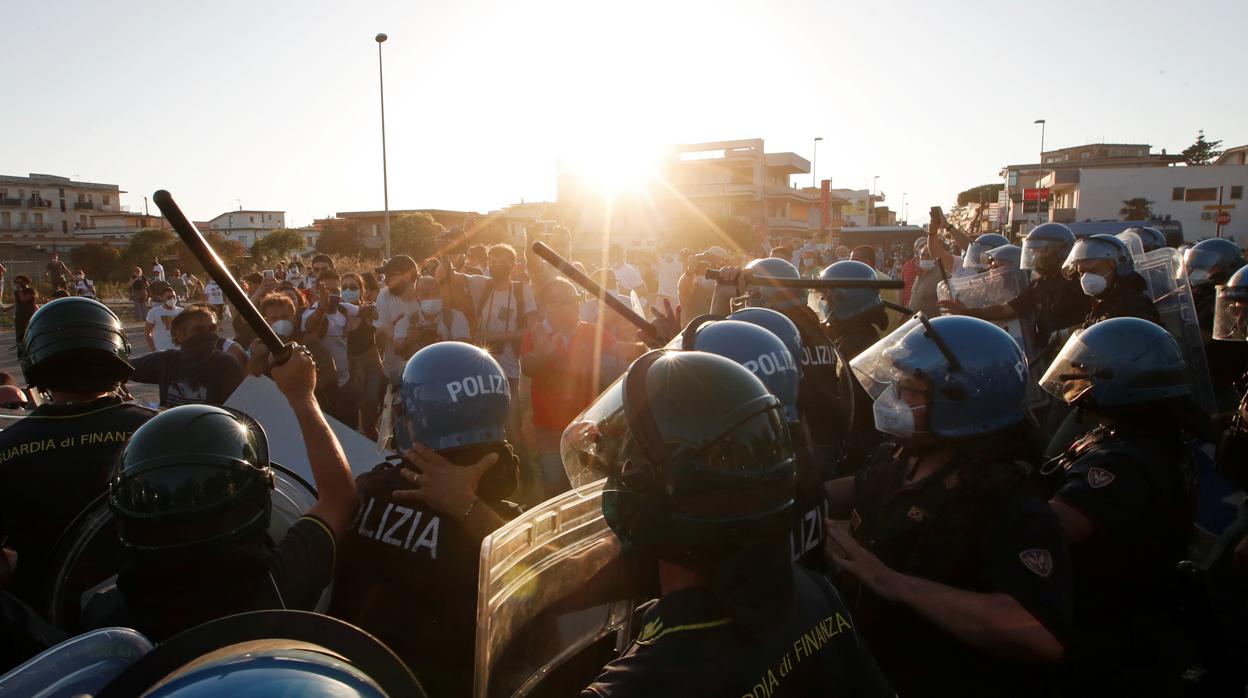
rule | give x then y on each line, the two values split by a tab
268	274
334	300
937	214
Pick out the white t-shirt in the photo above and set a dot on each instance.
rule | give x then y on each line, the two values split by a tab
499	313
628	278
337	322
213	294
453	326
391	309
670	272
158	271
161	318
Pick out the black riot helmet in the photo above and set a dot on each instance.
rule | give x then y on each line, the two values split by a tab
192	480
1212	261
76	345
696	454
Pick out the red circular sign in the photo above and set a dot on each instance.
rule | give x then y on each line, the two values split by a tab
1223	218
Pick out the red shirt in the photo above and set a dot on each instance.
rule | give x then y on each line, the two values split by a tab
571	379
909	272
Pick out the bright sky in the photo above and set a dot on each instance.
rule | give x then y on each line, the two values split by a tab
276	104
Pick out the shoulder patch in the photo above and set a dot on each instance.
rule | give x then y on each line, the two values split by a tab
1099	477
1038	560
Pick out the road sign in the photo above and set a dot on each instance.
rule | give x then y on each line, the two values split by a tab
1223	218
1219	207
1038	194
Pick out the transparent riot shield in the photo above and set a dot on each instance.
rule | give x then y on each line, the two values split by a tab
551	605
79	666
1167	285
1133	242
85	560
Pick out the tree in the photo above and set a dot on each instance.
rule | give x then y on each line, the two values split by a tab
985	193
1137	209
341	237
145	244
98	260
277	245
1202	152
230	252
415	235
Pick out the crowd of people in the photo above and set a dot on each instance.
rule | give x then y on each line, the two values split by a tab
813	490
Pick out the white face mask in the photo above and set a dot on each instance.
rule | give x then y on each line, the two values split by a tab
893	415
171	303
1198	276
431	307
284	328
1093	284
926	264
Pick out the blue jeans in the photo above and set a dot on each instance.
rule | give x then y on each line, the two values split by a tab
140	310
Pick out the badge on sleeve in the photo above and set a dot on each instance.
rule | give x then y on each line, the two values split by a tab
1099	477
1037	560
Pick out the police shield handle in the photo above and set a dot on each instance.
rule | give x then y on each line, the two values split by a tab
216	269
648	331
756	279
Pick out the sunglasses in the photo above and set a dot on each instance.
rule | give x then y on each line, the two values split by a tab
350	288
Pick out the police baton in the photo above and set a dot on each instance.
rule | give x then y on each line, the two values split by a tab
649	334
751	278
216	269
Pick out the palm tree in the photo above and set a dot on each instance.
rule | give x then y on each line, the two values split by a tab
1137	209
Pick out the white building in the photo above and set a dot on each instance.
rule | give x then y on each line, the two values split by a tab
1191	195
245	226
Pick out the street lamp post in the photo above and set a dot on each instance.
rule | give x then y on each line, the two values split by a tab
903	207
875	181
385	180
1041	122
814	164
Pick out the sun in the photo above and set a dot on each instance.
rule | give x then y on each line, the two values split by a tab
616	169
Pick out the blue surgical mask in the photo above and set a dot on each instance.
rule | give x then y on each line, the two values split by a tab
350	296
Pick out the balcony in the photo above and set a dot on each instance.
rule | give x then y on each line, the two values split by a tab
38	203
775	224
794	192
85	205
721	189
10	202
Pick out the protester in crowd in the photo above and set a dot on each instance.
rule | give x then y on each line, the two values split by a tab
194	288
206	553
26	301
159	322
696	291
808	266
139	293
56	272
627	276
178	284
561	355
158	270
864	254
668	269
368	382
432	322
83	287
929	273
329	320
197	371
474	261
215	297
396	301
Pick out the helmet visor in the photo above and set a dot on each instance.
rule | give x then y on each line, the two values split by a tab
1230	315
974	256
1042	254
1198	259
1127	376
1135	245
1072	373
879	366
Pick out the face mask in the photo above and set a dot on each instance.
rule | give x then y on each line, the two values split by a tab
893	415
171	303
431	307
926	264
1198	276
284	328
1093	284
351	296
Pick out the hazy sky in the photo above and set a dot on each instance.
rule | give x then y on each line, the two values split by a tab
275	103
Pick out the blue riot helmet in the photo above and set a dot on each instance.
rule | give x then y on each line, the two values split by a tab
1004	257
846	303
777	323
1150	238
755	348
973	258
1045	248
971	373
773	297
1101	246
454	394
1118	362
1230	314
1212	261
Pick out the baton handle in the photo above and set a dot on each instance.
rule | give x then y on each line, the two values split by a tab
751	278
216	269
565	267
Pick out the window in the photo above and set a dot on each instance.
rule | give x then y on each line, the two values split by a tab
107	199
251	219
1202	194
38	220
1084	155
64	228
1237	191
1176	194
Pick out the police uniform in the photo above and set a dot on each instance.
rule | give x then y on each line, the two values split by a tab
954	528
688	646
1136	487
854	336
1054	303
1126	298
53	464
1227	360
408	575
819	396
161	600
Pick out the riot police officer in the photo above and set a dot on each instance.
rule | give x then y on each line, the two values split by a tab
1052	301
1107	275
192	500
700	473
56	461
974	260
408	565
963	584
825	398
1210	263
852	316
1124	495
1150	238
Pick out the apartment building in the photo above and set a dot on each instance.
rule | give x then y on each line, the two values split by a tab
245	226
47	205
